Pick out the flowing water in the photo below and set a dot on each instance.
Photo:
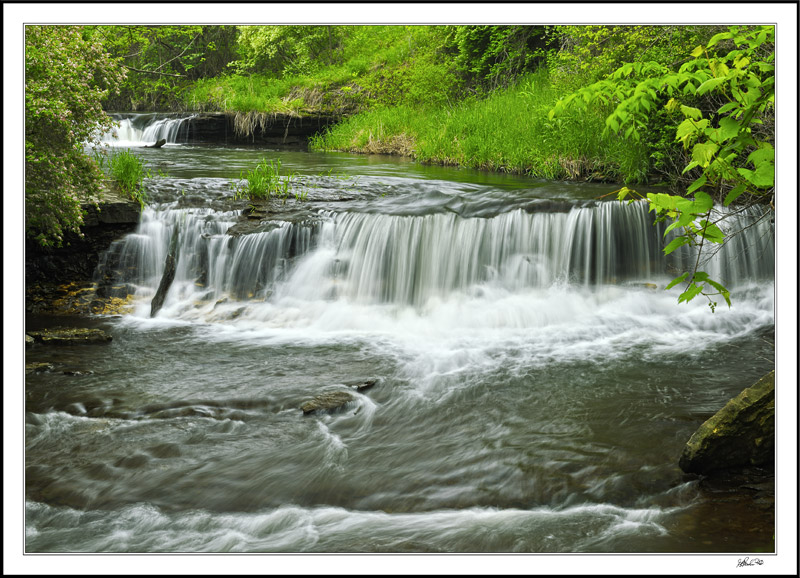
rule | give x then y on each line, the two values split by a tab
535	383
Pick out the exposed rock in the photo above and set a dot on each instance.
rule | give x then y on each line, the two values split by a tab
70	336
160	143
328	401
741	434
107	218
362	384
39	367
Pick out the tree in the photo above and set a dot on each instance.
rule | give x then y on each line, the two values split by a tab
724	97
67	74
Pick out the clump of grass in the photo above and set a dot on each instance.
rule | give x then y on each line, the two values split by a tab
264	181
127	171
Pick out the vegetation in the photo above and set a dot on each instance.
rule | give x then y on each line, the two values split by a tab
128	172
264	181
691	107
67	75
724	97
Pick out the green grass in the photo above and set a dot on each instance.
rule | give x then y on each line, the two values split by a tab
264	181
127	171
508	131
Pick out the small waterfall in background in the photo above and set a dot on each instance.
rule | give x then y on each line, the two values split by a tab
148	128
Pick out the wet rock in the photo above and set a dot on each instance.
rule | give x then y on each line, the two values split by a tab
28	340
330	401
70	336
741	434
77	372
361	384
39	367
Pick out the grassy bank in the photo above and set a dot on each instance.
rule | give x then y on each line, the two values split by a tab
507	131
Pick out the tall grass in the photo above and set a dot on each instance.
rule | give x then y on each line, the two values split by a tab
507	131
127	171
264	181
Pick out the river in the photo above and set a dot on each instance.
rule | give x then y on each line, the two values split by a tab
534	383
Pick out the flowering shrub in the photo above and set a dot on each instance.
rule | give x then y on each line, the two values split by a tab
67	73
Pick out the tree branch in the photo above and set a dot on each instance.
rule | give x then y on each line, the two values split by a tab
152	72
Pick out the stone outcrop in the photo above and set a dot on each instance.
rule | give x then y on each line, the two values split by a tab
109	219
741	434
275	128
329	401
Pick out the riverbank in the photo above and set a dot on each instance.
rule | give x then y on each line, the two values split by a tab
60	279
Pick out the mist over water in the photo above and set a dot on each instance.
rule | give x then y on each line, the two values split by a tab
535	383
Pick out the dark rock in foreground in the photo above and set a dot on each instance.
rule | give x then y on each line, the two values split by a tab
741	434
69	336
328	402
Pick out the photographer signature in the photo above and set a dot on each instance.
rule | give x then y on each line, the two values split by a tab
749	562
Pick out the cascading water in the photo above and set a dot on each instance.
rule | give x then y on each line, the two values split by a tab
533	382
149	128
408	260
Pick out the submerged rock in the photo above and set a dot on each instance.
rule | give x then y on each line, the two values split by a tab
741	434
327	401
70	336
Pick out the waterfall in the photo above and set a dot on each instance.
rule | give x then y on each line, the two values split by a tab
408	260
149	128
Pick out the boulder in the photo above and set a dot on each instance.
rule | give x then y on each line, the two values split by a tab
70	336
327	402
741	434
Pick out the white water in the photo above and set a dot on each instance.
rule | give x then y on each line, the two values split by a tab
147	129
535	388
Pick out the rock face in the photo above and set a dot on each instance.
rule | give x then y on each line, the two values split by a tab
113	217
276	129
741	434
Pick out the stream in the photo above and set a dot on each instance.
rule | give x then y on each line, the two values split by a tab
534	384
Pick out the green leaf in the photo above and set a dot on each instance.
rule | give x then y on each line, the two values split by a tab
709	85
728	128
722	290
698	51
727	107
697	184
734	194
763	177
677	280
703	152
716	38
675	243
691	112
767	153
692	292
710	232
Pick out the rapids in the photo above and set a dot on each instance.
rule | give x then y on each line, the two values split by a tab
536	383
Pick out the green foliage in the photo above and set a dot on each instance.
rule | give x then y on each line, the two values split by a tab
264	181
128	172
162	61
67	74
289	50
590	53
731	146
495	55
507	131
